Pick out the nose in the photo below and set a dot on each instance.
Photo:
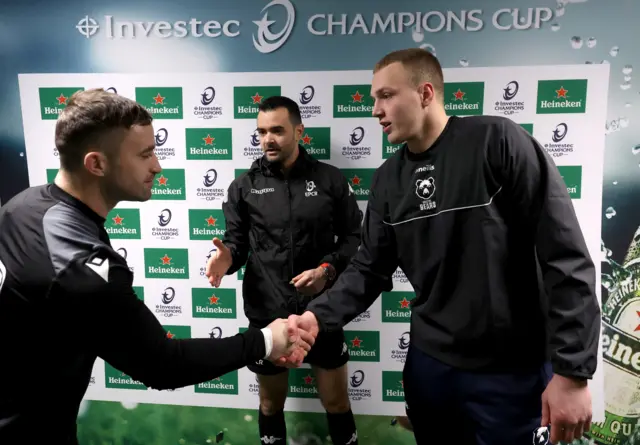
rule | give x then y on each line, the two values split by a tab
157	168
377	109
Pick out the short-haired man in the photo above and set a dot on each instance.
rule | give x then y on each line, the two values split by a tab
295	223
66	296
505	323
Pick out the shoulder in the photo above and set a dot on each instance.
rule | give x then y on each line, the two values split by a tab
96	271
495	126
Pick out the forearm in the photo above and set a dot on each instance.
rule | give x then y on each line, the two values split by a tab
239	256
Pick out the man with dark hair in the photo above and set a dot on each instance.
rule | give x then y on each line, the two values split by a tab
295	223
66	296
505	323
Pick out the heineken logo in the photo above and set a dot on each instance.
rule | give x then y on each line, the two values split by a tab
621	350
562	96
396	306
139	291
363	346
359	181
247	100
302	384
123	224
51	175
119	380
464	98
177	332
205	144
392	386
170	185
226	384
241	273
388	149
528	128
206	224
161	102
352	101
166	263
317	142
572	176
54	100
213	303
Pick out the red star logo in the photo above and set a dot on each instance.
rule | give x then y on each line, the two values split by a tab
356	342
165	260
402	383
61	99
404	304
162	180
561	93
159	99
257	98
117	220
308	380
355	180
213	299
208	140
459	95
306	140
170	335
217	379
637	327
211	221
357	97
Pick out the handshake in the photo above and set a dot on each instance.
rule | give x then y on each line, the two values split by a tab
292	339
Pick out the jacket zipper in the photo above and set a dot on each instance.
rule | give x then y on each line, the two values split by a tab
291	238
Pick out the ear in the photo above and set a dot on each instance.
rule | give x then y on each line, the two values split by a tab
427	93
299	131
95	162
418	182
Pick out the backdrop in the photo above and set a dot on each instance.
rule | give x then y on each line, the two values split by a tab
142	37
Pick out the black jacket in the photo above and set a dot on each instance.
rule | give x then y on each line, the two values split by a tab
484	228
281	227
66	298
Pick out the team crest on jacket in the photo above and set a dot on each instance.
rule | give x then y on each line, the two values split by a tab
541	436
425	189
311	189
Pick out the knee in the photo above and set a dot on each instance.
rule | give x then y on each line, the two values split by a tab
337	405
271	406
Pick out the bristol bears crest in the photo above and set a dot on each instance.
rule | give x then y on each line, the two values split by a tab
425	189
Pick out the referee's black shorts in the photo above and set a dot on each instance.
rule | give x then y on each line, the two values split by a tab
328	352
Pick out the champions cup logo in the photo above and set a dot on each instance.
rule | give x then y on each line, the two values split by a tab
161	231
266	41
206	110
166	309
308	111
215	332
207	192
508	106
3	274
356	393
556	147
355	150
111	90
560	132
306	95
253	150
123	252
162	152
400	354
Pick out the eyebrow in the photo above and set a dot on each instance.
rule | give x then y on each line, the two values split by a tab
276	127
149	148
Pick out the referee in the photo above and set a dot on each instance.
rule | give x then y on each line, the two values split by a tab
66	296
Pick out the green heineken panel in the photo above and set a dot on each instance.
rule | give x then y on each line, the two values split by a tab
621	349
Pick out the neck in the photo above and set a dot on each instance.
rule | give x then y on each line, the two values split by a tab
288	163
432	128
84	191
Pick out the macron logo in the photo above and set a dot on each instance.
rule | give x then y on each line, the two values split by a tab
99	266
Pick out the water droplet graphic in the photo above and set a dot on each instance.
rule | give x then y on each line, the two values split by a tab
615	182
576	42
610	212
636	149
588	62
625	86
560	10
22	154
605	62
555	27
429	47
612	126
627	69
628	105
591	42
417	36
627	78
624	122
614	51
464	62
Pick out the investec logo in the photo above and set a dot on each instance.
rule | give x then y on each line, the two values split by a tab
355	150
559	146
252	150
363	317
305	98
562	96
205	224
165	308
509	105
399	276
399	353
207	109
208	192
163	151
356	391
162	231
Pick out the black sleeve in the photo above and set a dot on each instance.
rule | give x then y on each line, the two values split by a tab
538	193
236	236
369	272
347	222
126	334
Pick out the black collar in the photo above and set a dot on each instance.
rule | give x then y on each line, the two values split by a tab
60	194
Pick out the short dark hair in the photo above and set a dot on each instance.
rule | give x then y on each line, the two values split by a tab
94	118
422	64
274	102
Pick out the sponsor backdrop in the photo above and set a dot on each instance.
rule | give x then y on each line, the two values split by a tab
206	70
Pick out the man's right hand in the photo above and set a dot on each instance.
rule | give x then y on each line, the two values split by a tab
290	344
219	263
300	325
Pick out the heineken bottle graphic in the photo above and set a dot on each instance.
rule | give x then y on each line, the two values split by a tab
621	349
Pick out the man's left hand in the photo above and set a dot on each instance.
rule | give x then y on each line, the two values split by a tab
310	282
566	405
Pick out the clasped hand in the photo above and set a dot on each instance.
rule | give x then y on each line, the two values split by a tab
290	343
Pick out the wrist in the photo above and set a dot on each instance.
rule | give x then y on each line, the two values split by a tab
328	271
268	341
